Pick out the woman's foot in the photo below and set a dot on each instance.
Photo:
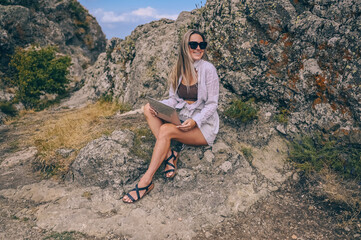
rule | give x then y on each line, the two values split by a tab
171	164
140	190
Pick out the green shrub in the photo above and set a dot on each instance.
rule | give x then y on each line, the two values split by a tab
65	236
247	153
8	108
282	117
77	10
313	153
242	111
39	72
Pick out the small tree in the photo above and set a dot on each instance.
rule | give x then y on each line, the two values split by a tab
38	72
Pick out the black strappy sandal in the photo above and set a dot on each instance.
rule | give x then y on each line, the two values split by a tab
174	165
137	189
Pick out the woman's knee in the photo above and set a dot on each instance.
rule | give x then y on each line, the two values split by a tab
166	130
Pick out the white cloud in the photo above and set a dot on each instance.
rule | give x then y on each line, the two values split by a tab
173	17
145	12
111	17
136	15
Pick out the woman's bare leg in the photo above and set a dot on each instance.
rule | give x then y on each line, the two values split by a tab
167	132
154	124
153	121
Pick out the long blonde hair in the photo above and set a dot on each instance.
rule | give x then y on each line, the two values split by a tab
184	66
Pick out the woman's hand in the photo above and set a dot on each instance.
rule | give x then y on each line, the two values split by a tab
152	111
187	125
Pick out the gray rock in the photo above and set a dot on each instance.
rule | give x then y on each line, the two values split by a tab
64	152
107	162
226	166
281	129
2	117
209	156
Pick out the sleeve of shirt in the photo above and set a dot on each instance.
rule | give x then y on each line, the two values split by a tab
171	101
212	91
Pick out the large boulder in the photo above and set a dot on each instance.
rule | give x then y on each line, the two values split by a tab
303	57
107	162
134	67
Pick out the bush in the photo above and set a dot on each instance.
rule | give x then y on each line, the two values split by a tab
242	111
8	108
282	117
314	153
39	72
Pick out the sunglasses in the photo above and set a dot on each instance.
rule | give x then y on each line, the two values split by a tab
194	45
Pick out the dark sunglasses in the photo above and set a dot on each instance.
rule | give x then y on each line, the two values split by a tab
194	45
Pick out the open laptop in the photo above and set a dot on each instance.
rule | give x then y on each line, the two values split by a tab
165	112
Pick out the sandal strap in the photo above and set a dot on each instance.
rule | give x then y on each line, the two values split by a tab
130	197
170	157
145	188
168	171
137	189
170	164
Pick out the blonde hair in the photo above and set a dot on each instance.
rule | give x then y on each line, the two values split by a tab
184	65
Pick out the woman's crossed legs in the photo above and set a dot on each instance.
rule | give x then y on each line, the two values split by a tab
164	132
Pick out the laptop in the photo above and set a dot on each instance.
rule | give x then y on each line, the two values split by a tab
165	112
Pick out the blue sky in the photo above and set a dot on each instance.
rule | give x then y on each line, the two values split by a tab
119	17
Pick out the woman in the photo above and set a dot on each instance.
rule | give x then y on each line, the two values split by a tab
194	91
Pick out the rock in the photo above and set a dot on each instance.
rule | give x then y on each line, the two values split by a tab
135	67
268	64
296	177
226	166
270	160
64	152
209	156
2	117
65	24
107	162
18	158
220	147
281	129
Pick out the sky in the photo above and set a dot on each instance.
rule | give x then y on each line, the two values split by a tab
118	18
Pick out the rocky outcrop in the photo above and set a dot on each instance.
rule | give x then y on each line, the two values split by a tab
135	67
107	162
63	23
300	57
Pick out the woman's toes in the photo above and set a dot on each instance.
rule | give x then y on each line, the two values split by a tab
126	199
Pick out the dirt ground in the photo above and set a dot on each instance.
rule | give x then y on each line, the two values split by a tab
293	212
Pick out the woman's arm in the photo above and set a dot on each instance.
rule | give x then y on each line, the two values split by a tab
171	101
212	91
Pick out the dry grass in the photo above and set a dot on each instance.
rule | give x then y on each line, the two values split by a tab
71	130
339	191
